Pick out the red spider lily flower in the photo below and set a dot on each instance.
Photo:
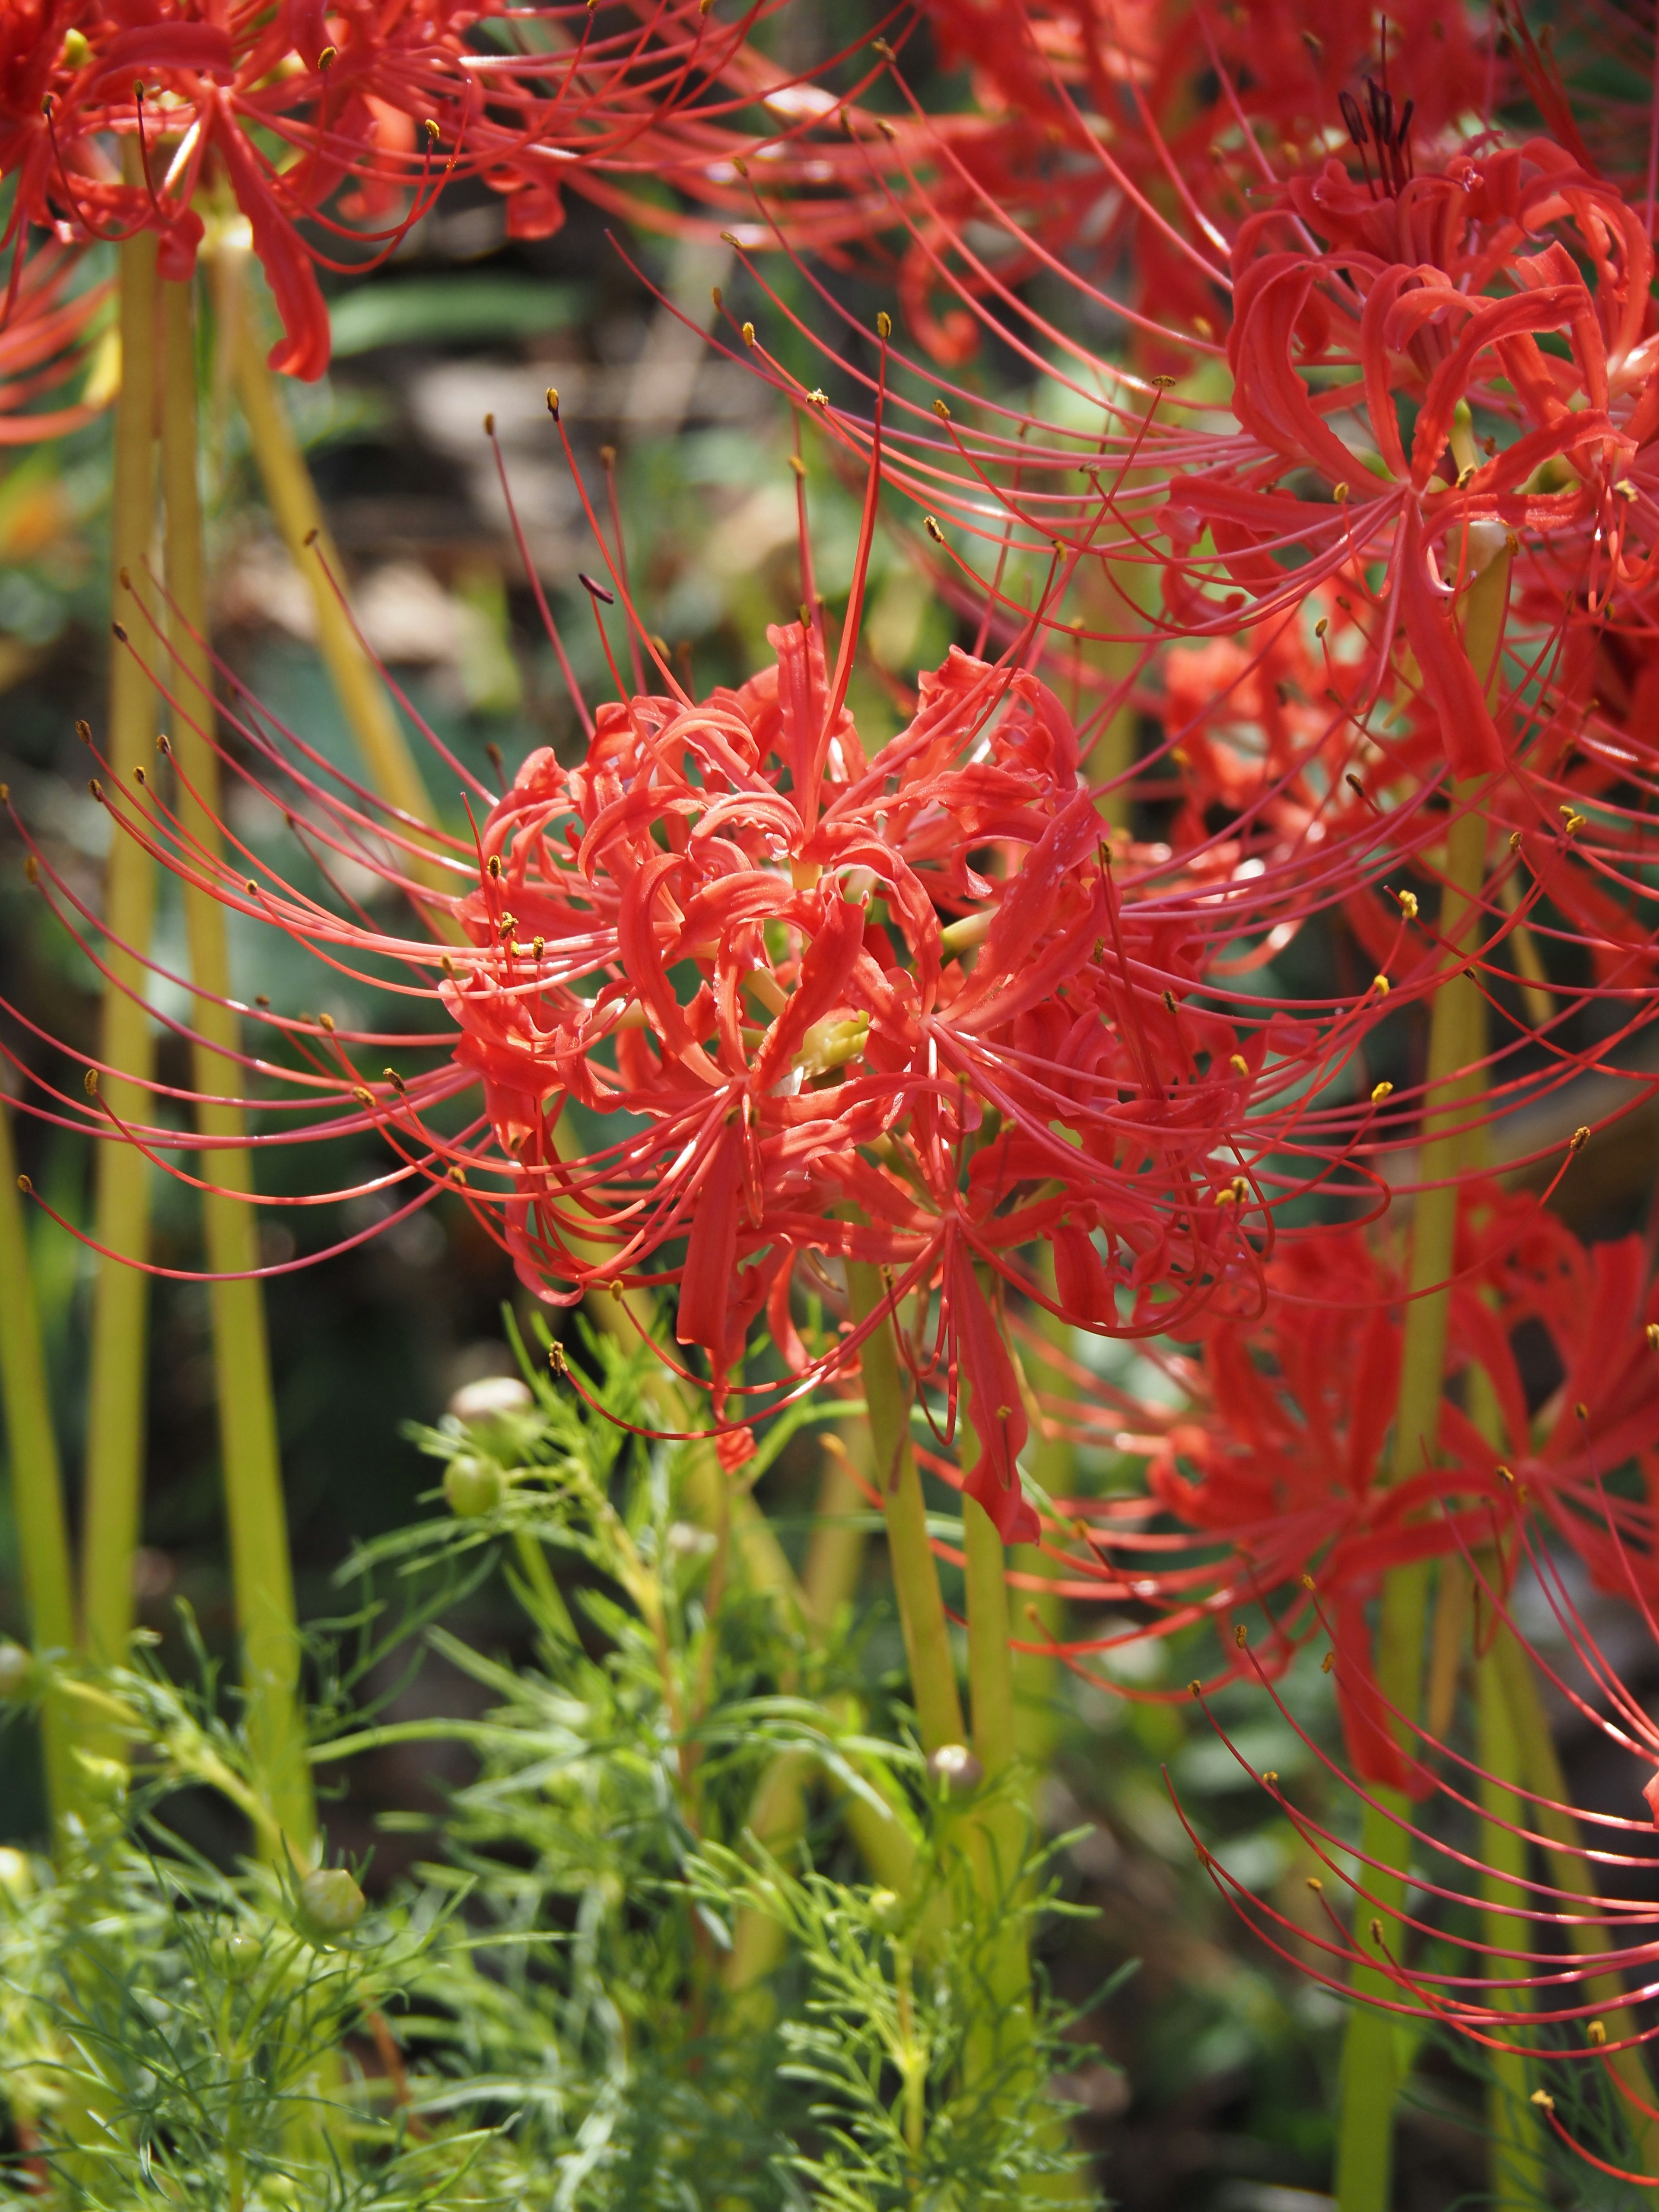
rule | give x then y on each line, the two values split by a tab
42	344
1561	1931
1084	120
895	1007
1347	296
372	106
1273	1478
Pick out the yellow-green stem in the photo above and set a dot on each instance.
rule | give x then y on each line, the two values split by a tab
1519	2169
916	1574
116	1399
1053	1463
261	1575
1370	2072
1000	1834
37	1489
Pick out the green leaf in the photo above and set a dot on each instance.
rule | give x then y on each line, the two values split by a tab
449	311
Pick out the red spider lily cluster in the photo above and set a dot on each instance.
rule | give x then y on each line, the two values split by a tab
333	129
1572	1930
1354	527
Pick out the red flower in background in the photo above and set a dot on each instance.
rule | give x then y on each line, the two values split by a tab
1274	1485
367	106
43	343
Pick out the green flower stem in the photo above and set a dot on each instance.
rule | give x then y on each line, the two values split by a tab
116	1394
1369	2071
835	1551
1539	1768
1053	1463
916	1575
299	515
261	1570
1001	1831
37	1490
1520	2170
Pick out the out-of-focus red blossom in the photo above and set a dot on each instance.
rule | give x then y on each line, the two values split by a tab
1277	1468
42	345
1537	1981
364	107
1085	118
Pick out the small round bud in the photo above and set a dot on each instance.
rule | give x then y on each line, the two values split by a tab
475	1405
473	1487
331	1900
886	1910
954	1767
16	1666
16	1875
104	1780
240	1952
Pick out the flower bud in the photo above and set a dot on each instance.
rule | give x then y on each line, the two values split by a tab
886	1910
104	1780
476	1404
955	1770
15	1668
473	1487
240	1952
331	1900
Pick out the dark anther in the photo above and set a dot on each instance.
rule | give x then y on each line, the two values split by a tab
597	590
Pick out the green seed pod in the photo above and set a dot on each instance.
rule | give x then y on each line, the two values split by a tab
473	1487
16	1666
331	1900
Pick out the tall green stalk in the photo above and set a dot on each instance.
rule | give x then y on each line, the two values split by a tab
116	1396
1369	2071
37	1489
1001	1831
261	1572
1520	2172
916	1575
